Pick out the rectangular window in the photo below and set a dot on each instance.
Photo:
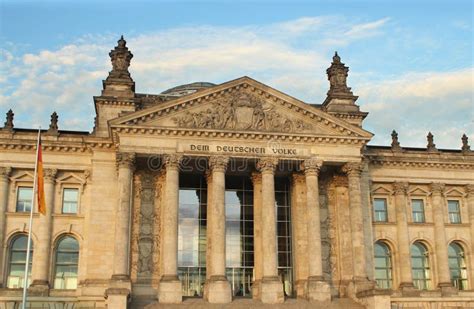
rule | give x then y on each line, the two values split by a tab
70	199
23	200
418	211
454	212
380	210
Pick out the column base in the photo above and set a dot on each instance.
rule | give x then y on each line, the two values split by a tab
318	290
447	289
256	287
271	291
217	290
408	289
39	288
169	290
117	298
359	285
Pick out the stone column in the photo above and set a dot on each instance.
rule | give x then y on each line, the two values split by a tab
441	245
318	289
271	290
257	233
4	182
406	280
169	289
360	279
126	166
217	287
43	228
470	207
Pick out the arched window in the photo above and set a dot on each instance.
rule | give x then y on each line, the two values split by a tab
420	266
383	265
17	260
67	259
457	266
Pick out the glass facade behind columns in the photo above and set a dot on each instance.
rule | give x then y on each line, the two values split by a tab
192	233
239	234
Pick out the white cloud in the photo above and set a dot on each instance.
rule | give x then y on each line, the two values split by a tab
291	56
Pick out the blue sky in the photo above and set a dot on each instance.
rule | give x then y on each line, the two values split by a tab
411	62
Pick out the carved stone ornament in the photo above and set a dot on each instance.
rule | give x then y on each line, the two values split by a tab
267	165
395	142
120	58
431	145
50	174
218	163
5	172
400	187
172	160
352	169
9	121
337	75
470	189
126	159
465	144
53	126
437	188
311	166
240	111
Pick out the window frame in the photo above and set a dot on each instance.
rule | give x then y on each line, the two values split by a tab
461	283
387	269
14	238
68	187
427	279
17	198
375	212
55	261
458	201
423	212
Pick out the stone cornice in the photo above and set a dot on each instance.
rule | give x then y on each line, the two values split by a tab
58	145
242	135
417	163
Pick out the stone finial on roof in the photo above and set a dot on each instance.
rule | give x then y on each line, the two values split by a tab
431	145
9	123
120	57
395	143
465	144
337	75
53	126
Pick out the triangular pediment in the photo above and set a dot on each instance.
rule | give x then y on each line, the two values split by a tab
241	105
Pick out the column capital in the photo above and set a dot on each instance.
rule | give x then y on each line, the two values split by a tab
5	172
400	187
470	189
126	159
267	165
437	188
218	163
312	166
50	174
172	161
352	169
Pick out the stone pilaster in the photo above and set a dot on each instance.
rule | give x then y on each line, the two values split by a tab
406	280
271	289
257	233
470	206
441	245
317	289
43	228
4	182
360	279
169	289
217	287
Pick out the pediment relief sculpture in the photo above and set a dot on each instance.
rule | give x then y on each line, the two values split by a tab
241	111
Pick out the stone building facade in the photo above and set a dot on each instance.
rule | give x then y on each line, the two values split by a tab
234	190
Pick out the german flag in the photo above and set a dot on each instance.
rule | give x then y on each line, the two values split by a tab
40	180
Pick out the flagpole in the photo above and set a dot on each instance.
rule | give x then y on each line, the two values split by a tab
28	247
